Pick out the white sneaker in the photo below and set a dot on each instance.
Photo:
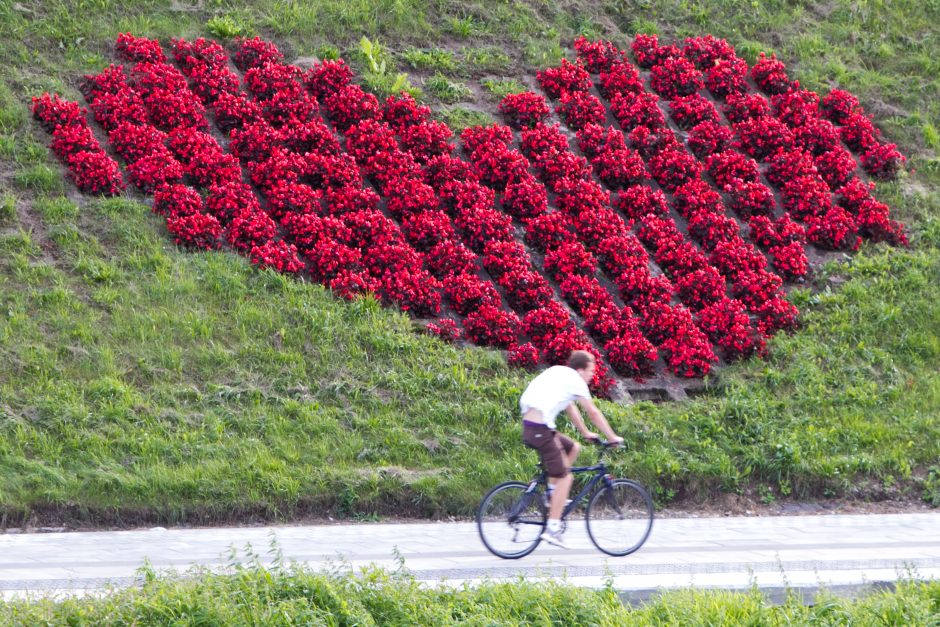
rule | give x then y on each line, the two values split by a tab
554	538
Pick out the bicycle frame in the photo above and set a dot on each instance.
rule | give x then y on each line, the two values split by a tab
600	474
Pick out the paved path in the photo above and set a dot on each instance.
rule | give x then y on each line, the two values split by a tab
796	551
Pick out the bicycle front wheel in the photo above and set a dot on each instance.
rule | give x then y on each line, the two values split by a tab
510	521
619	517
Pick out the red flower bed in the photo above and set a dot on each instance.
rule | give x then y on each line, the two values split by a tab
525	289
277	255
839	105
543	323
594	138
226	199
834	230
705	51
630	354
548	230
447	330
174	199
675	77
817	136
525	198
691	110
762	137
579	108
796	107
709	228
597	56
312	182
640	200
491	326
567	77
254	53
770	75
707	138
741	107
250	228
467	293
752	199
417	292
619	168
524	110
729	169
543	142
874	222
836	167
196	231
51	111
726	77
789	260
350	105
450	258
134	49
696	196
701	287
777	314
569	258
523	356
328	77
674	168
637	110
94	172
726	323
806	196
426	140
620	253
787	165
883	162
621	78
648	52
148	172
859	133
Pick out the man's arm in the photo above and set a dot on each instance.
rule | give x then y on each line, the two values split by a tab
575	416
596	417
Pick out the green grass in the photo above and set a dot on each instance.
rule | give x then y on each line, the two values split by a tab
436	59
290	595
447	90
139	383
499	89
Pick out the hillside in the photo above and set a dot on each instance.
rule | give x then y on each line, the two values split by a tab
141	383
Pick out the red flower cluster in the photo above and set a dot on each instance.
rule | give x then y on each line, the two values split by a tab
597	56
675	77
691	110
707	138
770	75
524	110
567	77
92	170
674	168
580	108
137	49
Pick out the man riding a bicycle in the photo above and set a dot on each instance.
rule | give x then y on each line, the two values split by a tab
554	390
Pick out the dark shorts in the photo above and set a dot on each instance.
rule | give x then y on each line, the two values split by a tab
551	445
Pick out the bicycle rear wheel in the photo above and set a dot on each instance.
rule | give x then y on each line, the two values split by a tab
619	517
511	521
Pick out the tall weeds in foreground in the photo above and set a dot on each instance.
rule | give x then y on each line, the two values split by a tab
292	596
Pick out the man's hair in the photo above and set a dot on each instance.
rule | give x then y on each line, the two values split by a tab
579	360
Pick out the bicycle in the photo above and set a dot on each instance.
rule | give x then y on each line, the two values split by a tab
619	514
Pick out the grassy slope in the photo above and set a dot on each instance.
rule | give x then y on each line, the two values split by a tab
141	383
256	596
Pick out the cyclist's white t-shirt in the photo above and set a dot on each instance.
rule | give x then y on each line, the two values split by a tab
552	391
